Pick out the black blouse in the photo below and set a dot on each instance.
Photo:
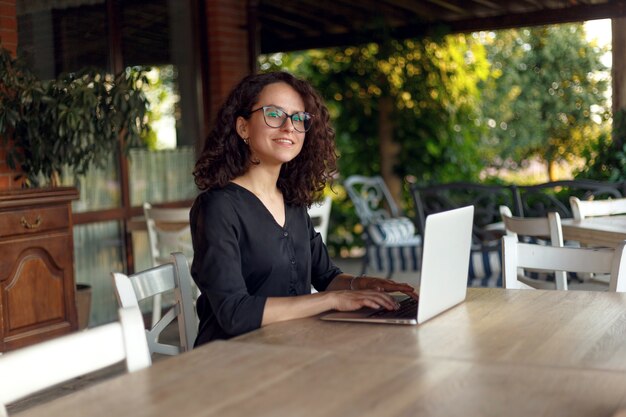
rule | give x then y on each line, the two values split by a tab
242	256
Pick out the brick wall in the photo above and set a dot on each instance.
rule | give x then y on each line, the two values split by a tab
8	25
228	48
8	38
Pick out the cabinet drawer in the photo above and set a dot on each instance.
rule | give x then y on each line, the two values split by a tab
33	220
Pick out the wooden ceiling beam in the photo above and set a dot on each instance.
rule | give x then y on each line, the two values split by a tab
286	22
488	3
614	8
424	9
543	17
448	5
325	13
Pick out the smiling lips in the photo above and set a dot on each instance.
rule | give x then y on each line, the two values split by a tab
284	141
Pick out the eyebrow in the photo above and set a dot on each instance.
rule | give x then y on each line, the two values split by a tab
283	109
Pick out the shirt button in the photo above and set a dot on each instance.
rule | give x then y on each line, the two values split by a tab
293	262
285	234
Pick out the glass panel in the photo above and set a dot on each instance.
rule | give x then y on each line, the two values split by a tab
99	188
98	250
152	34
150	30
54	38
162	94
145	32
160	176
80	34
141	250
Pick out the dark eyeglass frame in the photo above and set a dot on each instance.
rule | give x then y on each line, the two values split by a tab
307	126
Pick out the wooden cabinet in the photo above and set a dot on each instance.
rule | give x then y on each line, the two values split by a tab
36	266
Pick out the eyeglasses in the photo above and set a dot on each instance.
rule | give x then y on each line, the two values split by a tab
276	118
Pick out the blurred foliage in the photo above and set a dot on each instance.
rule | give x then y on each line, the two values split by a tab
163	101
547	97
606	158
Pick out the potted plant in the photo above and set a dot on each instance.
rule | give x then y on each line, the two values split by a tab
73	122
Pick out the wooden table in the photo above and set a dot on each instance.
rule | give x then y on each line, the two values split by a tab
596	231
503	352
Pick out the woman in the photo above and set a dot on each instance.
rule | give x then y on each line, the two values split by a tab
256	252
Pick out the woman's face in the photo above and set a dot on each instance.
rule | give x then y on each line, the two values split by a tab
273	146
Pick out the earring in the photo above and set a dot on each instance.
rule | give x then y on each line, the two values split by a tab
246	141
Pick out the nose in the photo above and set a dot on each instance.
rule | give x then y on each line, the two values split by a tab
288	125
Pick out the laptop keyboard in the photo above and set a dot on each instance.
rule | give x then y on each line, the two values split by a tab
408	309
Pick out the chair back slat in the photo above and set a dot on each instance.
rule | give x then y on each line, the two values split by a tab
593	208
570	259
153	281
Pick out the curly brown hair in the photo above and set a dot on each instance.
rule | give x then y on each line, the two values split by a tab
225	156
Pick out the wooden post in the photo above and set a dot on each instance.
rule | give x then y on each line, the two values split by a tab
389	149
618	72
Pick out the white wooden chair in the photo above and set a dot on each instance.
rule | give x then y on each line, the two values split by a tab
43	365
592	208
517	254
320	215
172	276
536	227
168	231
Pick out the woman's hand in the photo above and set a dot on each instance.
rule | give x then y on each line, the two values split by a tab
382	285
354	300
348	293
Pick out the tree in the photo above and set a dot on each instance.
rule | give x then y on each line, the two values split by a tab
547	99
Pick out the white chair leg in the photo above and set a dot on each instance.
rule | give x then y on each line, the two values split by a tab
156	309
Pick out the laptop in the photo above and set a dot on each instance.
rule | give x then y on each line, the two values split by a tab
443	282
